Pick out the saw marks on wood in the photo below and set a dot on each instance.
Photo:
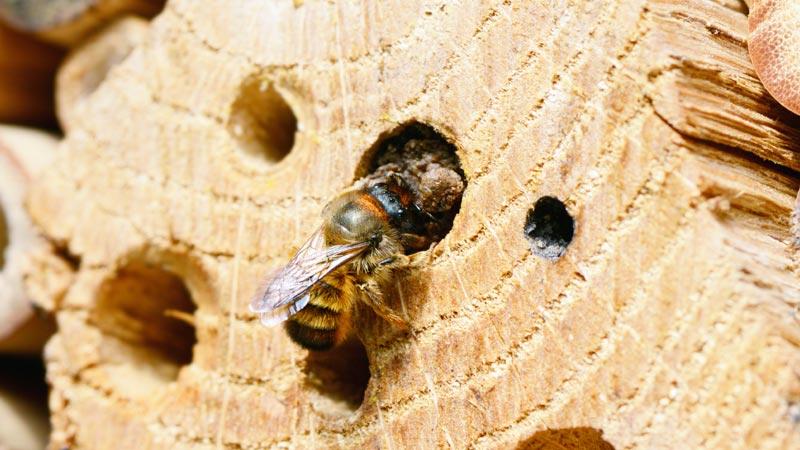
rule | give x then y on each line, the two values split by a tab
667	321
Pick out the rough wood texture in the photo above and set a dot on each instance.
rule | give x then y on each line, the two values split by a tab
670	322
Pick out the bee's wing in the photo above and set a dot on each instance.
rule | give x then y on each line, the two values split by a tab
282	294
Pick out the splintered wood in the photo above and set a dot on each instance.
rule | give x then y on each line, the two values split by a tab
670	322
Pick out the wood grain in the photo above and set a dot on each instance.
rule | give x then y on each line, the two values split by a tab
670	321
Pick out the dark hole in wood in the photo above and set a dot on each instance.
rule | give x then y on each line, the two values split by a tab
549	228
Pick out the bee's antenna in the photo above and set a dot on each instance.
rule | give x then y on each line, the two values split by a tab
419	210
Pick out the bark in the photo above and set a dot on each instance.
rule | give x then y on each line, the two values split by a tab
670	321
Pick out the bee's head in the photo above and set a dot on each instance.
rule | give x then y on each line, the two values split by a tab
398	201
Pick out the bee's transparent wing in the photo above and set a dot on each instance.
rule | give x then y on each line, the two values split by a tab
284	292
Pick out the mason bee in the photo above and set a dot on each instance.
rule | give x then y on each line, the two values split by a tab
362	239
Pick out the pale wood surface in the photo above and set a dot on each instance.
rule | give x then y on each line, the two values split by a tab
24	152
670	322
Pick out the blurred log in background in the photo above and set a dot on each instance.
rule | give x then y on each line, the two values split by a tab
35	36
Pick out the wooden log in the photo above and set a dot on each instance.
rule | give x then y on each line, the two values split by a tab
87	66
23	154
670	321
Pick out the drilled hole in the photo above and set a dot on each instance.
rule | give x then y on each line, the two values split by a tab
262	122
549	228
579	438
339	376
429	164
147	315
3	238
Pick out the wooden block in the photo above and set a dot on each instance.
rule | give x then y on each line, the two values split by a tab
670	321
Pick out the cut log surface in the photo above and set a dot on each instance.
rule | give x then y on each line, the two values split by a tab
670	322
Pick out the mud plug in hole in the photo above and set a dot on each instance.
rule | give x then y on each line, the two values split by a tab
429	164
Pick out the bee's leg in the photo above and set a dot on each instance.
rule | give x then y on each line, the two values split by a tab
398	260
413	240
374	298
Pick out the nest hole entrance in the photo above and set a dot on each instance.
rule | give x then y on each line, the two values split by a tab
339	377
430	167
549	228
262	122
146	316
4	239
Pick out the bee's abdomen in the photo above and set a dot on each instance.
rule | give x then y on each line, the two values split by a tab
325	321
315	327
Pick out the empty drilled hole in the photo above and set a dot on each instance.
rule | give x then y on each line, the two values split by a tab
339	376
147	314
549	228
429	165
262	123
3	238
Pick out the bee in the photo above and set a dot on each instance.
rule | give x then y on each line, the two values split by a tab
362	240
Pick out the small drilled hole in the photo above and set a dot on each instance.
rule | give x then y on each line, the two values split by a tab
549	228
3	238
147	313
262	122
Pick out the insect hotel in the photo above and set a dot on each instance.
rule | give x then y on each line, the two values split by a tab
590	207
